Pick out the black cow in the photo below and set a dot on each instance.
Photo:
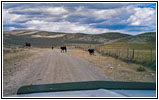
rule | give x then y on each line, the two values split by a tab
63	49
91	51
52	47
27	44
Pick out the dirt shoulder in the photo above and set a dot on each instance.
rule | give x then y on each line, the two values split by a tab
116	69
12	61
15	67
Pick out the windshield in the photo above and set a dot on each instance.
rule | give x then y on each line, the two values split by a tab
46	43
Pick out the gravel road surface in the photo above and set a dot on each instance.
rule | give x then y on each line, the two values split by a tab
51	66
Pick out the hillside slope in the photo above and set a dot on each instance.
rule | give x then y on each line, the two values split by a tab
142	41
46	39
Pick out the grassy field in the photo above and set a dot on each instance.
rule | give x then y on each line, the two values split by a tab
117	69
144	54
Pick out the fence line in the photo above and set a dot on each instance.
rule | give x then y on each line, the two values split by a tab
124	53
127	53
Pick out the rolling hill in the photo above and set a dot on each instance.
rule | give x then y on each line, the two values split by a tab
142	41
46	39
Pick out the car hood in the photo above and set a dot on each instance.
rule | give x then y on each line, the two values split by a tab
89	89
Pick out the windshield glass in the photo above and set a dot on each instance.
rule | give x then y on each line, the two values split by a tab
46	43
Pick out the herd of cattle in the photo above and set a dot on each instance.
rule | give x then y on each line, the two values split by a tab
63	48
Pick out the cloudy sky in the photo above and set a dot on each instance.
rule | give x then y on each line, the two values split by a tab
90	18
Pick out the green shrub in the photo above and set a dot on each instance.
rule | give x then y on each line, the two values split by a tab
128	60
153	65
141	69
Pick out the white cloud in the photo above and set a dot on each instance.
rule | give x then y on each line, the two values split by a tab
12	28
12	18
111	16
56	10
9	18
39	10
143	16
64	27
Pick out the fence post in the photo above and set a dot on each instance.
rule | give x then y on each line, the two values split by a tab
116	52
151	54
119	53
106	50
122	54
127	52
133	53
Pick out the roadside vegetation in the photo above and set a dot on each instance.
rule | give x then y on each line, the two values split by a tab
140	53
116	69
12	55
140	49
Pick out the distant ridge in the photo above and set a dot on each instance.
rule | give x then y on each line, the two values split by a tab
46	39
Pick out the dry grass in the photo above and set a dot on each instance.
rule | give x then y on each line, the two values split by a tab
144	54
139	55
141	51
138	46
116	69
11	59
124	52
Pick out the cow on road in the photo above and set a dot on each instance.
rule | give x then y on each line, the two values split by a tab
91	51
27	44
63	49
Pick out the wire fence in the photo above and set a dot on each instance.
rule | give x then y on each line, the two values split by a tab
145	57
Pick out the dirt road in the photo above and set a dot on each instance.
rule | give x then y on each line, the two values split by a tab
51	66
